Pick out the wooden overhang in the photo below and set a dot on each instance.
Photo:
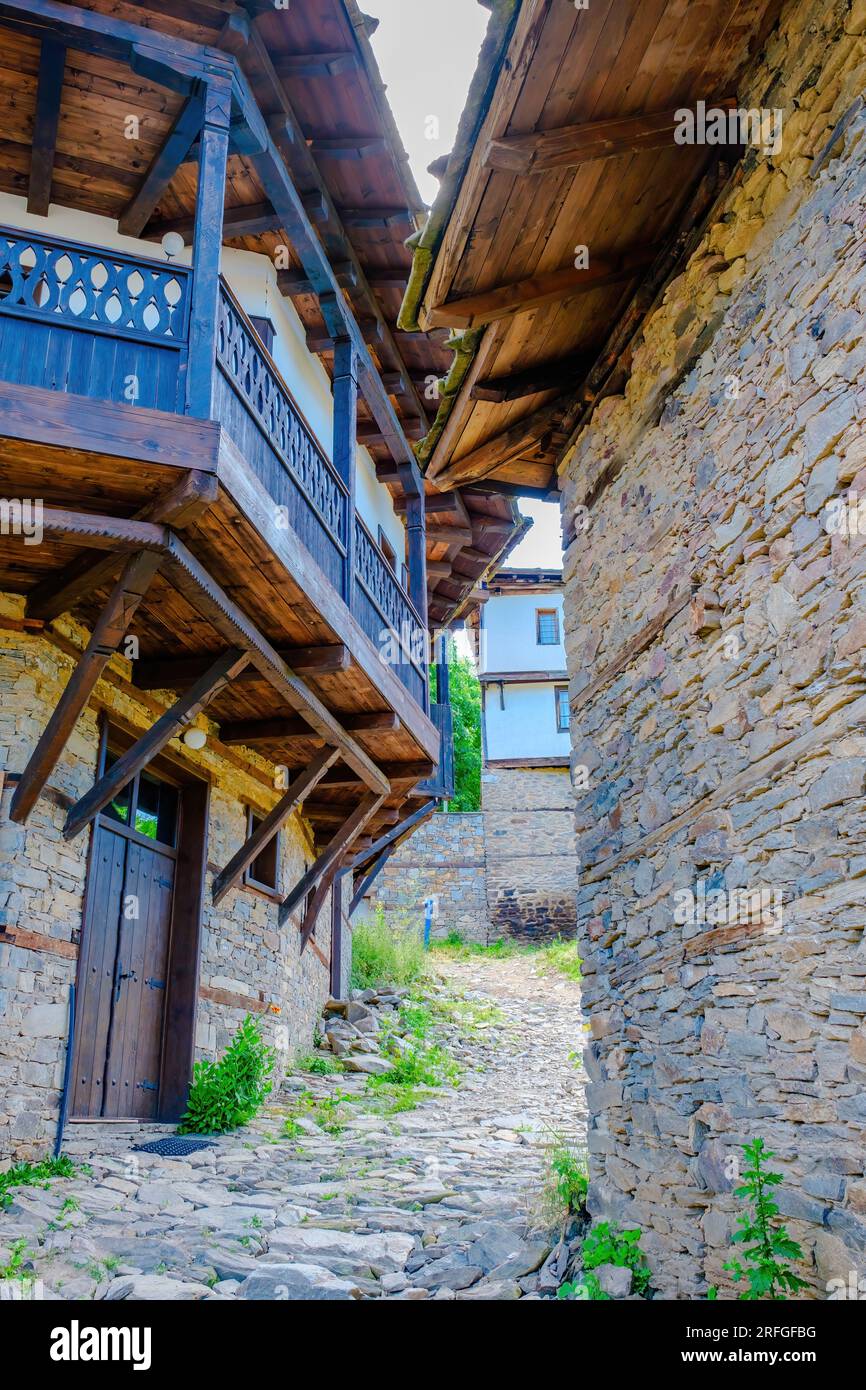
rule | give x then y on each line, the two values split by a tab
311	71
567	141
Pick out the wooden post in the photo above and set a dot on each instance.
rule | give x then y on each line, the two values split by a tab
416	545
337	937
182	712
207	245
345	387
108	633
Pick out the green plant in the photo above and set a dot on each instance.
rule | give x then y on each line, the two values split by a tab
318	1064
465	697
34	1175
228	1093
382	954
588	1288
560	955
18	1253
605	1245
771	1247
568	1176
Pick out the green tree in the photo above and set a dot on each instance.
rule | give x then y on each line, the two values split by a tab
466	711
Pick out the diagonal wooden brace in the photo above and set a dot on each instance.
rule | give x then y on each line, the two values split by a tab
107	635
331	854
182	712
265	832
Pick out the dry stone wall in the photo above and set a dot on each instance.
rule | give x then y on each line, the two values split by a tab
248	964
721	839
529	851
442	859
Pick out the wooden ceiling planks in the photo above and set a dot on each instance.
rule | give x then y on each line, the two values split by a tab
565	67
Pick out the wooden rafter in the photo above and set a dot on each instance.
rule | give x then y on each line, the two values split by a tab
172	673
576	144
164	166
518	439
267	828
254	732
59	593
107	635
49	86
331	854
546	376
473	310
182	712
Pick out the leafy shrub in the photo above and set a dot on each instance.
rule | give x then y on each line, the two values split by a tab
589	1288
319	1064
771	1248
562	956
228	1093
605	1245
568	1177
33	1175
382	954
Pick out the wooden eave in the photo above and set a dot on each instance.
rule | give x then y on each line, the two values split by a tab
501	262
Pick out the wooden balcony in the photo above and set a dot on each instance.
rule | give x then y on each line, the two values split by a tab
96	423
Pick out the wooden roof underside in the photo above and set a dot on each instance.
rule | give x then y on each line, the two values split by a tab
608	79
348	162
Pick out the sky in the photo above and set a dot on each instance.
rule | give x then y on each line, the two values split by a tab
427	54
427	93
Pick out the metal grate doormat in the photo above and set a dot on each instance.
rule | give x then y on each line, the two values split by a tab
176	1146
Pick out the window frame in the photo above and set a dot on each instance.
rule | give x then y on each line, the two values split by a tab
250	880
547	612
558	692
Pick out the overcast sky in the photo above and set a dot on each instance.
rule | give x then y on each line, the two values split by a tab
427	52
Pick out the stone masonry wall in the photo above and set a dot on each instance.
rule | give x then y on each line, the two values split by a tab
529	852
248	963
728	752
442	859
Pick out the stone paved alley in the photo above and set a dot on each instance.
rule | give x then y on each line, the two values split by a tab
431	1202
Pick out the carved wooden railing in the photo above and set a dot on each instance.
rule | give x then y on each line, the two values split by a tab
93	322
262	417
387	614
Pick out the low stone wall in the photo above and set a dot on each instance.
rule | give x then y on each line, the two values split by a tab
443	859
248	963
531	868
722	891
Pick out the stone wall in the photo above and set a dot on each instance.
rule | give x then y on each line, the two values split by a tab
529	852
442	859
728	750
247	964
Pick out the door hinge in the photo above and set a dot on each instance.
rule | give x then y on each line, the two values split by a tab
147	1086
155	984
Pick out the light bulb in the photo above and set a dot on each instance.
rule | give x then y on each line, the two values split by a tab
172	244
195	738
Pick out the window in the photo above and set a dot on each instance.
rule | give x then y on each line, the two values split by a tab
264	870
387	550
546	627
563	712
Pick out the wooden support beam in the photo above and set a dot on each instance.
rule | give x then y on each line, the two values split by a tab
174	673
335	811
49	86
547	376
163	167
59	593
330	64
333	852
251	219
295	282
395	772
451	534
349	147
254	732
107	635
519	438
475	309
207	247
184	710
391	836
376	217
265	831
576	144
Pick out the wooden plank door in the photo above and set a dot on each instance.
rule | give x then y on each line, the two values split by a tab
123	975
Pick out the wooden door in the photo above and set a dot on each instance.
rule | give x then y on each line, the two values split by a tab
123	973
